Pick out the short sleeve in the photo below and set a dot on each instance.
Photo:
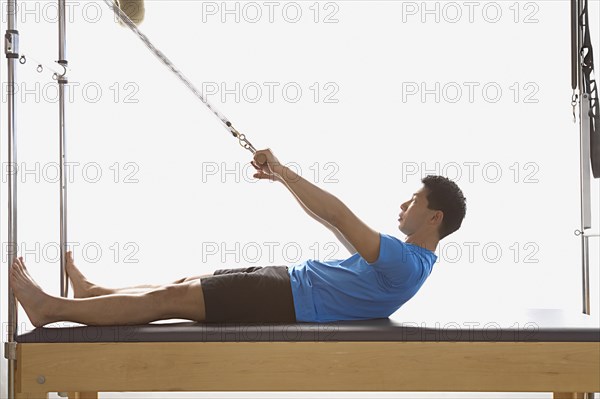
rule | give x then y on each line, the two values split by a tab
397	261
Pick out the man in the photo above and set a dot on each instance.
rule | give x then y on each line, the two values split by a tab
381	275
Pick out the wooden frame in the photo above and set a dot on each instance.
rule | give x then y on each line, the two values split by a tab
83	369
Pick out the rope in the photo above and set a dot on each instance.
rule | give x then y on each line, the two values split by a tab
160	55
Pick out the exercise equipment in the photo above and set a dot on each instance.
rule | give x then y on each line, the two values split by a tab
585	90
542	350
582	76
511	350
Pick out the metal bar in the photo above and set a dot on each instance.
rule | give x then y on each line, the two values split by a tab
62	46
585	175
12	53
585	273
62	81
584	144
584	165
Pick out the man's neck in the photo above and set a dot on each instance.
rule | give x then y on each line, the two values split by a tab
430	244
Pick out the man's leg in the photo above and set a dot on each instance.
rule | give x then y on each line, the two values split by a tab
175	301
185	279
139	289
83	288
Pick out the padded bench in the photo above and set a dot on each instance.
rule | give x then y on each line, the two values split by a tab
531	350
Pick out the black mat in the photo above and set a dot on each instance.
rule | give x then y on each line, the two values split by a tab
530	325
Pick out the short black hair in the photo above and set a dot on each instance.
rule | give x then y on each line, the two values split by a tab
444	195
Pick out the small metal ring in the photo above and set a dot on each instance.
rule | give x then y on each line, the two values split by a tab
578	232
55	76
22	59
64	70
40	68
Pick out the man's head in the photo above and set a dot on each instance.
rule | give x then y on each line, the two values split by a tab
435	211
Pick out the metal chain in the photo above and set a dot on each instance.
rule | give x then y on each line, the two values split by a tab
159	54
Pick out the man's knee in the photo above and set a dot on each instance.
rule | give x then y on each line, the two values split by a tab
187	279
171	292
182	300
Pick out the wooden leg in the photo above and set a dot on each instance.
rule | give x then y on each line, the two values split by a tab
83	395
569	395
31	395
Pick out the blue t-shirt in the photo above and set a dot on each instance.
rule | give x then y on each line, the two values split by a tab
353	289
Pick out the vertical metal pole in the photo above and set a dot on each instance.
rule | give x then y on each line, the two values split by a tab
62	81
11	48
585	176
584	167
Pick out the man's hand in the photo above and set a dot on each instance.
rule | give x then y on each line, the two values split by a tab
266	165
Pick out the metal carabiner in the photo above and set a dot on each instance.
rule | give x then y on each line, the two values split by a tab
574	104
243	141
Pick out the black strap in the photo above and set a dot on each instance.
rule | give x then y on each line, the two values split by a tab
591	87
574	52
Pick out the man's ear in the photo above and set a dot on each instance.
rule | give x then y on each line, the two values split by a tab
439	216
134	10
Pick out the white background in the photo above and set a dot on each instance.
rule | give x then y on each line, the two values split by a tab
172	202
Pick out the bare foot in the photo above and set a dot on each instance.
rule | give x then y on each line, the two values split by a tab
82	288
38	305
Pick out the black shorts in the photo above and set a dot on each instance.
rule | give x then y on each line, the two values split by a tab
251	294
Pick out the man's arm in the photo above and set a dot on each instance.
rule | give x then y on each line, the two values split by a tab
334	230
333	211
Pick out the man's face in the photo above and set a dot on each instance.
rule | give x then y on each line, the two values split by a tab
414	212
